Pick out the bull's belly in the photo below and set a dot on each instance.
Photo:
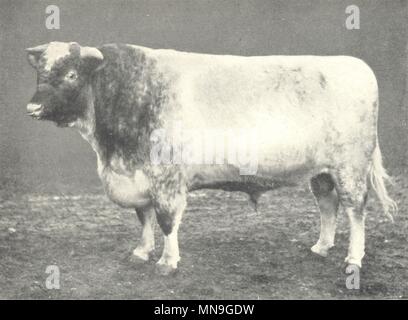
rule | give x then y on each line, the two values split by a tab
131	190
228	178
124	190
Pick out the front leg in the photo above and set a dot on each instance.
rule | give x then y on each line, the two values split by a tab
169	198
146	244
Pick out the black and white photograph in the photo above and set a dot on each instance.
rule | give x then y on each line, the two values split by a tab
203	150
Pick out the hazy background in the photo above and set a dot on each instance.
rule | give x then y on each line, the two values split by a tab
37	156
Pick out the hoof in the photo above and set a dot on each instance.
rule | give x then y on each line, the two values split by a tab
321	251
165	270
352	262
139	258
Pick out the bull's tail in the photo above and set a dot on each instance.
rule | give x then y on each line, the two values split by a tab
377	176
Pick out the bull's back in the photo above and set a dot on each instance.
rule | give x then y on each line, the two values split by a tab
219	89
297	104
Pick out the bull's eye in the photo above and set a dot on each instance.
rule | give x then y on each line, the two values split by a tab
71	75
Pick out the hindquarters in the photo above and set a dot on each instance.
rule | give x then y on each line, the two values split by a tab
354	171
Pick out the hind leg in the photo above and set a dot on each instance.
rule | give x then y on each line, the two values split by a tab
327	200
357	236
352	189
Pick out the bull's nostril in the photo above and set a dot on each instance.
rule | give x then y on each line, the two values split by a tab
34	107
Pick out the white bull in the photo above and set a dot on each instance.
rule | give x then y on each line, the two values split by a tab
315	119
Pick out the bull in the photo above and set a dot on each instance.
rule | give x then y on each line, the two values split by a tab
316	118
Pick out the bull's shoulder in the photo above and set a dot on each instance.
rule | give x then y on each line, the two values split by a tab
129	95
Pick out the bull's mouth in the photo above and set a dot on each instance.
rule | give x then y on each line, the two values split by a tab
35	111
34	115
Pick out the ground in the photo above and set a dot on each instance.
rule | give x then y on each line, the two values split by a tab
228	251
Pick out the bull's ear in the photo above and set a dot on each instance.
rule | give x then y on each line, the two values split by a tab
34	54
92	56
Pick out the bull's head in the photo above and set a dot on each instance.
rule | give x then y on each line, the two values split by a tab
63	72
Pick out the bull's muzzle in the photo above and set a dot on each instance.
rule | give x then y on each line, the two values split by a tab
34	110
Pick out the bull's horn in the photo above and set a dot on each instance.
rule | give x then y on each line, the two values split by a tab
38	49
90	52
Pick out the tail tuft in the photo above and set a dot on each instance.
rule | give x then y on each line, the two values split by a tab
377	176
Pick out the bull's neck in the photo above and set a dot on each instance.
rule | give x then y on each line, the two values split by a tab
128	94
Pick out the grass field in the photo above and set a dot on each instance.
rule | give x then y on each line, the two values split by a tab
227	250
